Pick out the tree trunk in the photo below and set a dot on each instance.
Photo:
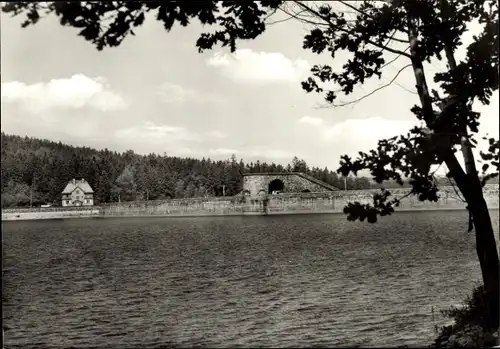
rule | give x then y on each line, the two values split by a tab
486	249
486	246
468	184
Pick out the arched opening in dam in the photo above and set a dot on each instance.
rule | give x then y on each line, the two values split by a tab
306	191
276	185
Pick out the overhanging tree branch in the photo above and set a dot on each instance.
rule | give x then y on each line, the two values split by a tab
291	16
345	3
371	93
298	17
332	25
394	59
406	89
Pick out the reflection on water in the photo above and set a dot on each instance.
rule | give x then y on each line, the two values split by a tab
280	281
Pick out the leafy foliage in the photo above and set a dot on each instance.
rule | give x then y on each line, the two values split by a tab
108	23
491	158
474	78
470	327
472	311
125	187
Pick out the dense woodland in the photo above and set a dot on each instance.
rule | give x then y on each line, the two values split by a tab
35	171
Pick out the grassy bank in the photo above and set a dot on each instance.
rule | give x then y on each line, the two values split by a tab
469	327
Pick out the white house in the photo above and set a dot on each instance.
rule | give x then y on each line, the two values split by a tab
78	193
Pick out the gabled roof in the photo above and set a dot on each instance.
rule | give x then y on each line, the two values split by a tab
73	184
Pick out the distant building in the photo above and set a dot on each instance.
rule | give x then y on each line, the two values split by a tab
78	193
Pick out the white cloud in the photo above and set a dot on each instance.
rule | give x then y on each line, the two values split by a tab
76	92
247	66
256	152
354	135
217	134
368	130
311	120
153	133
265	152
223	151
174	93
171	93
149	137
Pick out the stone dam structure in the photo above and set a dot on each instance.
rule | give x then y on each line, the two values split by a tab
283	182
285	203
294	195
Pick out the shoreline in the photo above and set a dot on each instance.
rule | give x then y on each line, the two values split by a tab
62	215
19	215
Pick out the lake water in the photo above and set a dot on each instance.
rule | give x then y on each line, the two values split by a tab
276	281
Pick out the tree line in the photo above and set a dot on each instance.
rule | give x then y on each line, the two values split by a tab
35	171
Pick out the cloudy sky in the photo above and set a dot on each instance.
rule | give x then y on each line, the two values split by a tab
156	93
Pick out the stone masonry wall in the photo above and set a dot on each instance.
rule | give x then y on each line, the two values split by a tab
186	207
331	202
293	183
285	203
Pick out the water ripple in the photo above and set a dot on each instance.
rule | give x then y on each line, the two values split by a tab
308	281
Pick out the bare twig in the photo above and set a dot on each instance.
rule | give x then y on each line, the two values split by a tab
406	89
371	93
455	190
394	59
302	19
345	3
398	200
388	41
270	14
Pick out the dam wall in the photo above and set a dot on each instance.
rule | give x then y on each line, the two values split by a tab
285	203
213	206
334	202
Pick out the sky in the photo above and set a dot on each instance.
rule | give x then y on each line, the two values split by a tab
156	94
